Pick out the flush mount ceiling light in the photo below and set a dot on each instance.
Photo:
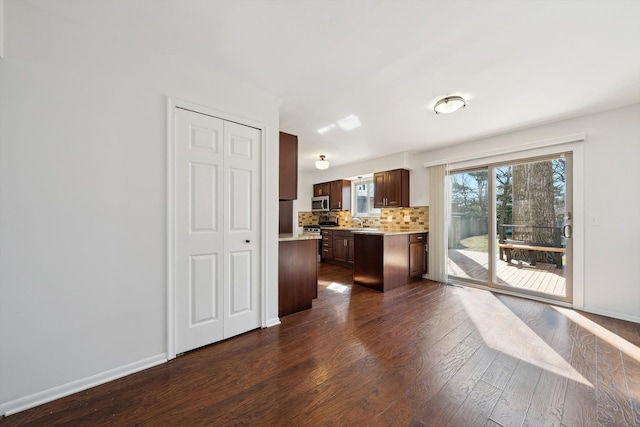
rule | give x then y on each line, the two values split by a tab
322	164
349	122
449	104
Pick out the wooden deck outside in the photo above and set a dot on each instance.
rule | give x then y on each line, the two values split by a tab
541	277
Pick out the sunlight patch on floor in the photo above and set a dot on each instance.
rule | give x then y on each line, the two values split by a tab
604	334
490	317
336	287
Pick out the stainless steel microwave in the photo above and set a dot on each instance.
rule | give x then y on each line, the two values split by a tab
320	204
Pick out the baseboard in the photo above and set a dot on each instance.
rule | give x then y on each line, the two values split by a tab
54	393
620	316
273	322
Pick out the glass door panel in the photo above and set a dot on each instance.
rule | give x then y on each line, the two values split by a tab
531	207
468	245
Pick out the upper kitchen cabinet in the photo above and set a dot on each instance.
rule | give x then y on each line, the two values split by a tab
340	195
321	189
288	167
391	188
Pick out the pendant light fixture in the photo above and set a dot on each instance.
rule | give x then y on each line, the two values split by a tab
449	104
322	164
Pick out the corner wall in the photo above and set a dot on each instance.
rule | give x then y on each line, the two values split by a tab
83	200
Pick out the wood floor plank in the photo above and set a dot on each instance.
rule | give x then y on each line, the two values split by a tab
477	407
422	354
612	391
547	403
514	402
580	398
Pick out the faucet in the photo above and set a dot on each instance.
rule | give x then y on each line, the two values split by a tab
358	219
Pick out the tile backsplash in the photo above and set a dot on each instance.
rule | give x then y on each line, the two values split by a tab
415	218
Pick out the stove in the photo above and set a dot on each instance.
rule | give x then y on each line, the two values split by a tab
311	229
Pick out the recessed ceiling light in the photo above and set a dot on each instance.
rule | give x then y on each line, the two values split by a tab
349	122
326	129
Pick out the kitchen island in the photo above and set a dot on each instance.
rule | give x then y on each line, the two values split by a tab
297	272
383	260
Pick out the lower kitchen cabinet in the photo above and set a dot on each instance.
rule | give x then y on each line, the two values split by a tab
326	252
343	250
337	247
297	275
417	255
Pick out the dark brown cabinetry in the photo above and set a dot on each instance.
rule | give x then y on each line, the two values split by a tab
288	186
321	189
340	195
297	275
339	192
391	188
327	245
381	261
417	255
338	247
343	250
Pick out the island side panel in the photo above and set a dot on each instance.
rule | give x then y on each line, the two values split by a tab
297	275
396	261
368	268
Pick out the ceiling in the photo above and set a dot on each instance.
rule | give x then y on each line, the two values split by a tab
518	63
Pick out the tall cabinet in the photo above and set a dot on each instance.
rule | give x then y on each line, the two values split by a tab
288	181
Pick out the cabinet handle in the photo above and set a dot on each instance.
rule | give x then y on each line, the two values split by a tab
339	204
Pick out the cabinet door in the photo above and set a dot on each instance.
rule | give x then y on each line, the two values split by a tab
321	189
379	185
335	195
340	249
350	250
288	167
397	188
416	259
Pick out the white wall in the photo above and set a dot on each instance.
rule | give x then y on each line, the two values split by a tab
418	177
611	183
83	205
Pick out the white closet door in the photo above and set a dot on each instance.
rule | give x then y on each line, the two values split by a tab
241	224
216	229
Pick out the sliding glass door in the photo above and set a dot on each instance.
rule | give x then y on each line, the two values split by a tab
510	226
469	226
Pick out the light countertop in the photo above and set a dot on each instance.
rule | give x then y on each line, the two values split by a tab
290	237
375	231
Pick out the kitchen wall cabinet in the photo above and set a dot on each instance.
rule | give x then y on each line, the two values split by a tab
288	186
321	189
391	188
340	195
339	192
417	255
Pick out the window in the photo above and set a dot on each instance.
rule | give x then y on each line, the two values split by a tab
363	206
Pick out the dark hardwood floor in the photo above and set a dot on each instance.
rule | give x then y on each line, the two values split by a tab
422	354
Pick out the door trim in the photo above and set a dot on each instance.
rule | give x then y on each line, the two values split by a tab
172	104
